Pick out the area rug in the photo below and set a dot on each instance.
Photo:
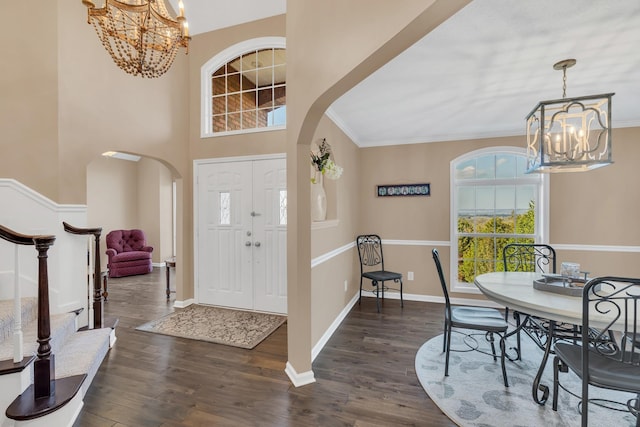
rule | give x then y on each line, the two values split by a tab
474	395
237	328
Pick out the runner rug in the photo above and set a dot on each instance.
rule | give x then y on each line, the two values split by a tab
237	328
474	395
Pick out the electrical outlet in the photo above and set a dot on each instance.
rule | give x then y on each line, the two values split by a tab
410	275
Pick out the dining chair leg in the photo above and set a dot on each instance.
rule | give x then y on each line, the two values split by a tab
492	341
401	300
503	361
557	363
444	336
446	357
377	285
360	297
516	316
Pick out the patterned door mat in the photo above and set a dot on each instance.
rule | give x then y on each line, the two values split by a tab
237	328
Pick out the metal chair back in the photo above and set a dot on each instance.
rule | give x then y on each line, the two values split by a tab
529	257
370	251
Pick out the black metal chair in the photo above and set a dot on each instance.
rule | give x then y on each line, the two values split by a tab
527	257
610	307
488	320
372	267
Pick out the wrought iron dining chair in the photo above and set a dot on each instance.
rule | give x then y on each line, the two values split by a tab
531	257
488	320
610	307
372	267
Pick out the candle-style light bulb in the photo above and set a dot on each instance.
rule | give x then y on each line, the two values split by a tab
185	26
181	7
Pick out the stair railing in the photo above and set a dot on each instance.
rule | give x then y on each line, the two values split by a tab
98	312
44	369
47	393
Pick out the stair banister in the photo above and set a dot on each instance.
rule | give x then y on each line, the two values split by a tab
98	313
47	394
18	349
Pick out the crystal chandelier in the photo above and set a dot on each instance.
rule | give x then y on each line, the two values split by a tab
140	35
569	134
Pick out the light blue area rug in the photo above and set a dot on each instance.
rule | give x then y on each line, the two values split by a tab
474	395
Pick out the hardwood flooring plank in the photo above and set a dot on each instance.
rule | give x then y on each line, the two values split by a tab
365	374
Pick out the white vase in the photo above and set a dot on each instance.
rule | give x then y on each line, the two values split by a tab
318	199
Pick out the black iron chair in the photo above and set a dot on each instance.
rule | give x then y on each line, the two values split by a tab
372	267
527	257
610	307
488	320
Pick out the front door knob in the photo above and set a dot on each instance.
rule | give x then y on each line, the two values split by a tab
257	244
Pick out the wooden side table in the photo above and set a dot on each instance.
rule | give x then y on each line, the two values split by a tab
171	262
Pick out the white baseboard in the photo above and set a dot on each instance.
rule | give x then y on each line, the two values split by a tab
297	379
183	304
332	328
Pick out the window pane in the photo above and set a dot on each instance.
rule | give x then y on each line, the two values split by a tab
466	199
225	208
486	167
279	96
248	100
485	198
283	207
466	170
219	104
265	98
233	83
233	121
505	166
233	102
265	58
249	61
219	85
264	77
249	119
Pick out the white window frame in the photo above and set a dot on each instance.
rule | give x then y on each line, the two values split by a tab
542	209
227	55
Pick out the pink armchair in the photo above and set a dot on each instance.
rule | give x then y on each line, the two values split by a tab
128	253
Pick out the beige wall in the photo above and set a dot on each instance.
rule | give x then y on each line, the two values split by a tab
64	102
592	208
368	34
29	96
125	195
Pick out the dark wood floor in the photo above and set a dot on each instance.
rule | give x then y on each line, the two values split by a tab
364	375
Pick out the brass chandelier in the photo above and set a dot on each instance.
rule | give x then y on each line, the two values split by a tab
569	134
140	35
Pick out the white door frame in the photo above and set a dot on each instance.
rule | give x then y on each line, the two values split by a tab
196	165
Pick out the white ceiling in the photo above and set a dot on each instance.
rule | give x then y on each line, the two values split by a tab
482	71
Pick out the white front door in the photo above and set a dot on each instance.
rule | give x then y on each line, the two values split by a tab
242	234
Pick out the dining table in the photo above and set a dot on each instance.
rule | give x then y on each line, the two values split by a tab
548	316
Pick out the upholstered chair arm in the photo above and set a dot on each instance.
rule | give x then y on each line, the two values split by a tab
147	248
110	252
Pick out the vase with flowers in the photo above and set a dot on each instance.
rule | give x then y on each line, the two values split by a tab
323	165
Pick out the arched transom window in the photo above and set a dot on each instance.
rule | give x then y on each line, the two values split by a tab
244	88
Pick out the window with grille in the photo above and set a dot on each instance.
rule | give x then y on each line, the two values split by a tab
493	203
245	92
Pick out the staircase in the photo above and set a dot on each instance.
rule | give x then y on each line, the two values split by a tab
47	362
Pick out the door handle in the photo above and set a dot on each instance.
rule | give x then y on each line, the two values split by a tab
247	243
254	213
257	244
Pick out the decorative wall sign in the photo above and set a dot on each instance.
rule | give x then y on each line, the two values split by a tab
404	190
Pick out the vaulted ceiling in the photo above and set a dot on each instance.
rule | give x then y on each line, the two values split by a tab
481	72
